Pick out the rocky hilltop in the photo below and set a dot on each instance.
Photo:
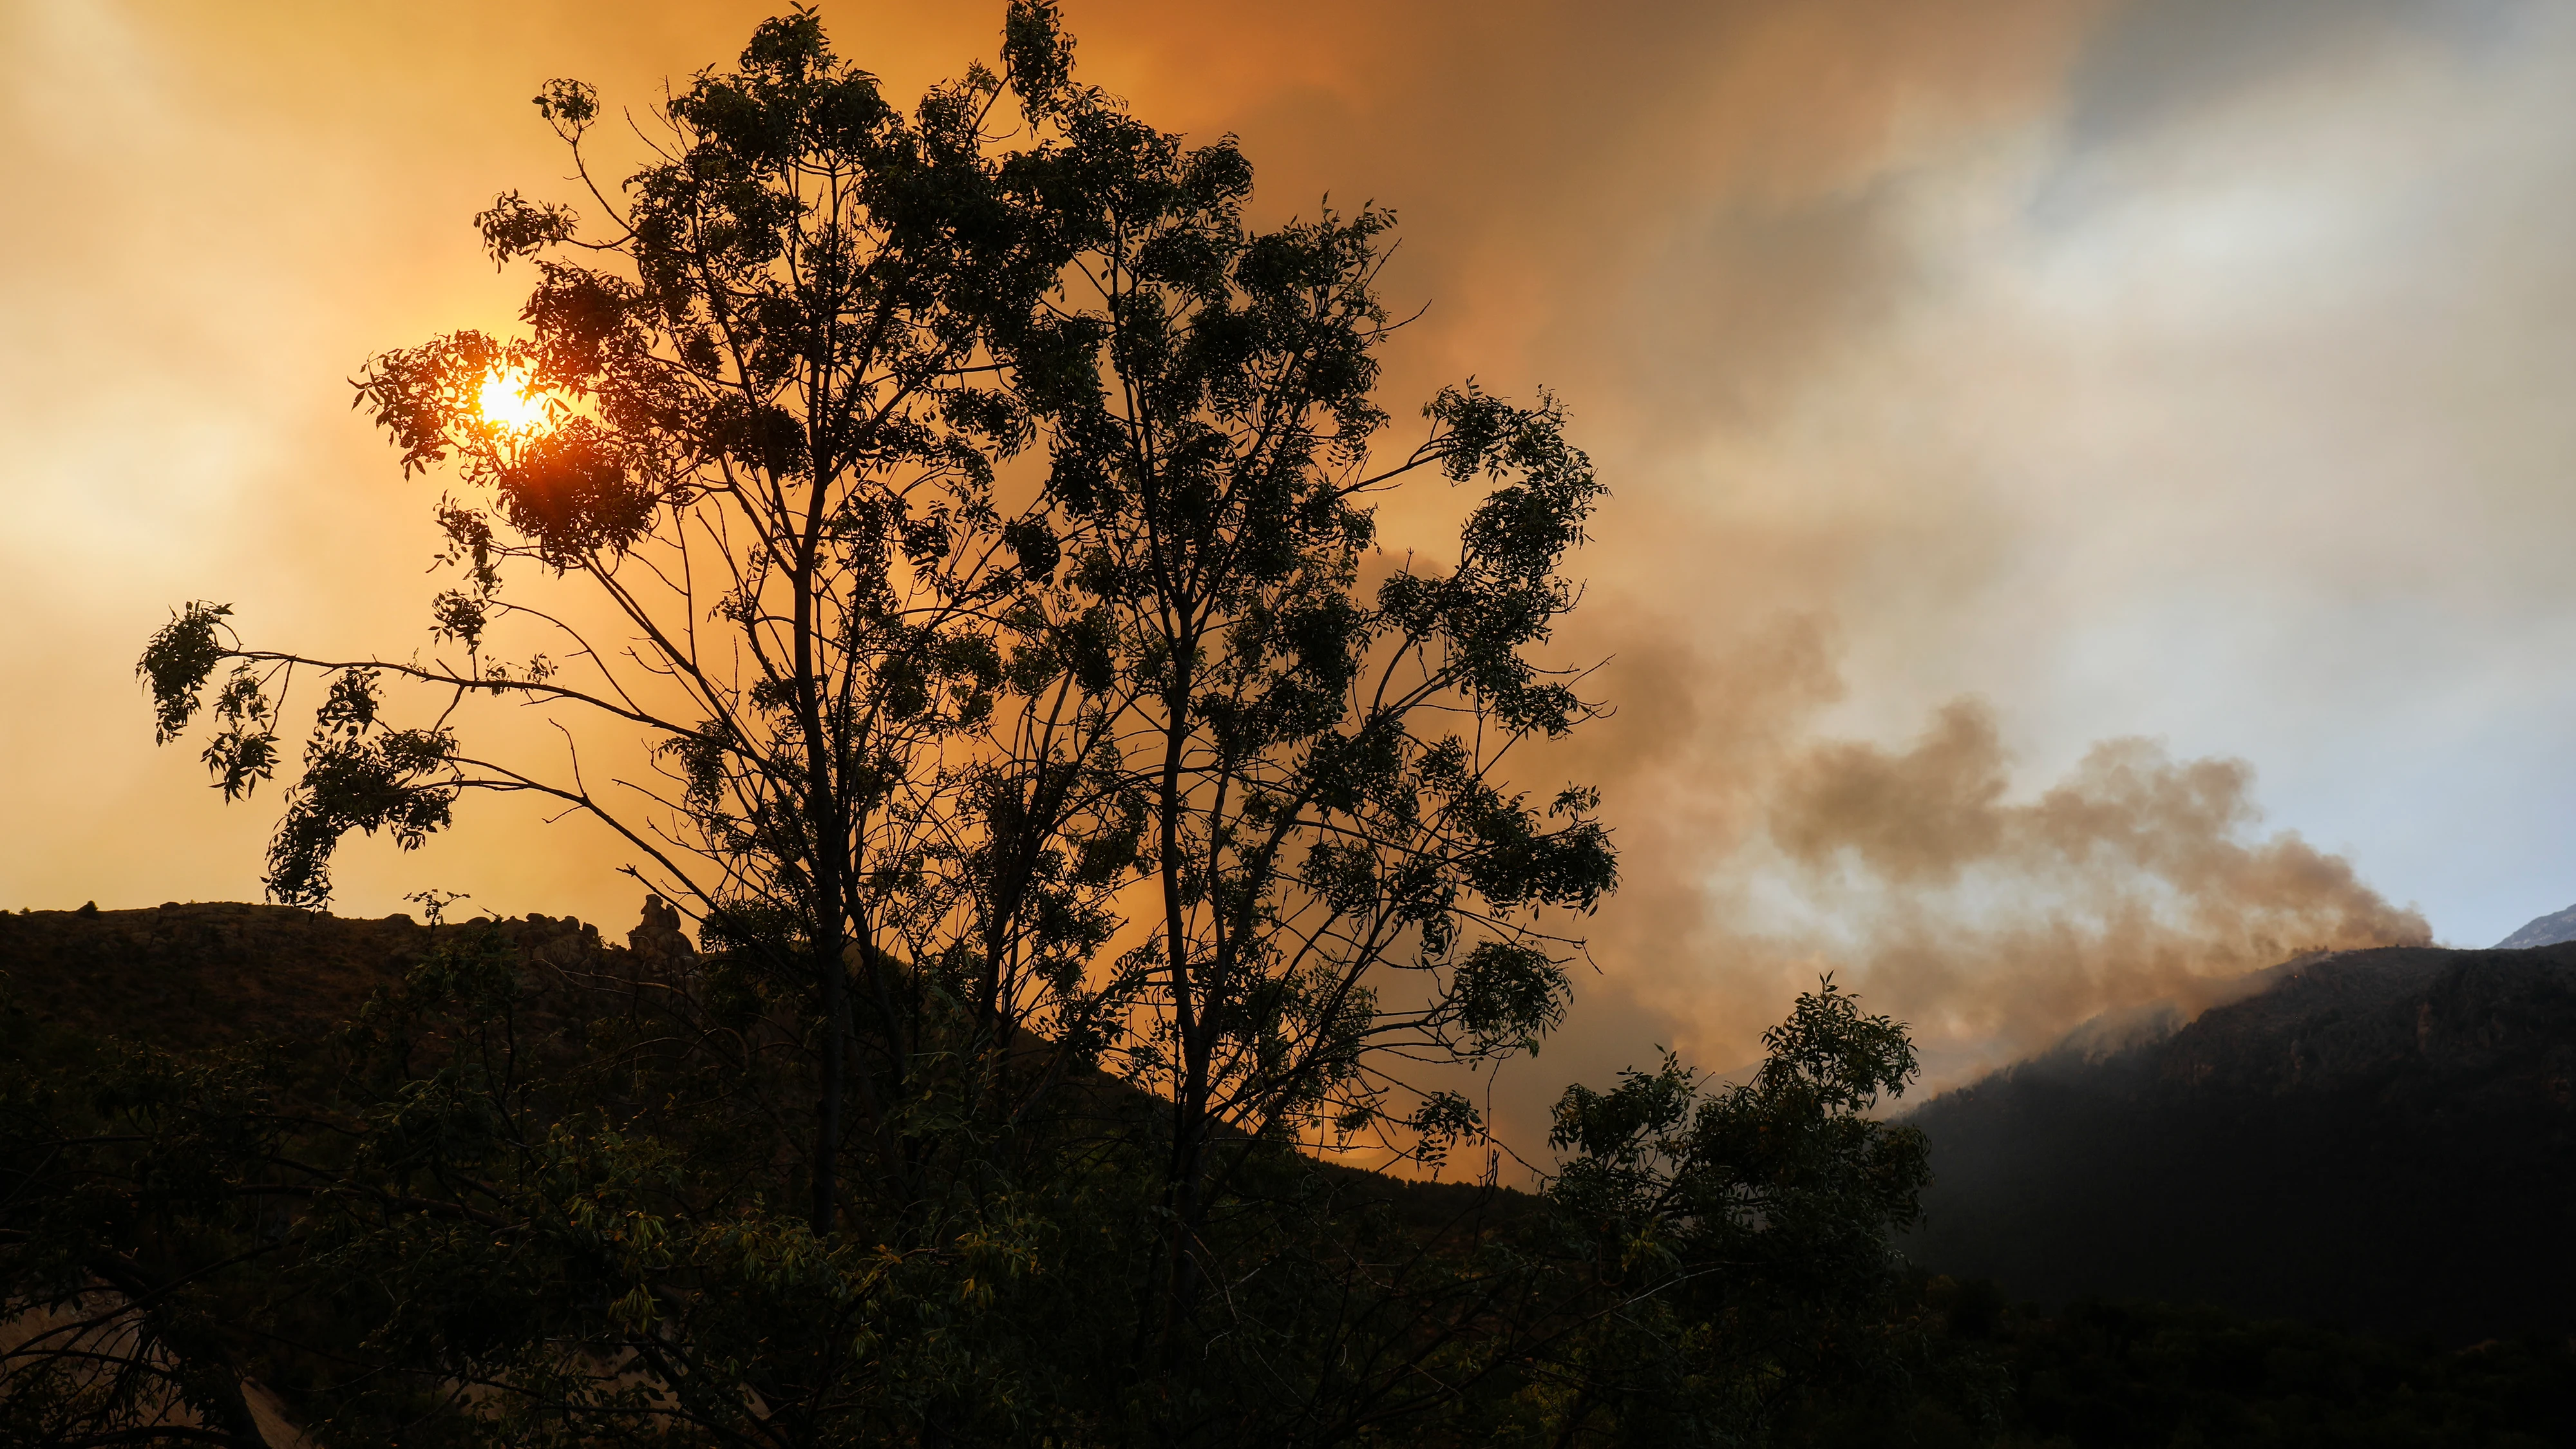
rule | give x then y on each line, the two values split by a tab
2546	930
2383	1139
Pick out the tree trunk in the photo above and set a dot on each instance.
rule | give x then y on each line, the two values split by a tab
1189	1091
827	1115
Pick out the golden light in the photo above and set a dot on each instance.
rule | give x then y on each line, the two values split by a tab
510	401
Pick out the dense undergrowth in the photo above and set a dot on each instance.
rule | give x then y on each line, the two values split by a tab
533	1192
511	1198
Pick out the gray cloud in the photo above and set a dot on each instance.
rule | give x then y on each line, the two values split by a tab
2159	60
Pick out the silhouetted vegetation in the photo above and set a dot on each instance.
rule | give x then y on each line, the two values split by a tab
528	1194
978	505
2099	1375
401	1185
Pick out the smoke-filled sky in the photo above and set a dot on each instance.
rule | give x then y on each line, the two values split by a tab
2091	480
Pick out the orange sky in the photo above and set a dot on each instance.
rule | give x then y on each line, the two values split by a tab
1978	383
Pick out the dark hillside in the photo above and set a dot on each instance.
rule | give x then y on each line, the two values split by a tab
198	976
337	1233
2382	1139
189	976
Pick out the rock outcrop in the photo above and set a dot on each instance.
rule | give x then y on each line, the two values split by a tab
2546	930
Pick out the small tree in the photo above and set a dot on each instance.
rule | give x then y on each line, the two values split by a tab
1738	1233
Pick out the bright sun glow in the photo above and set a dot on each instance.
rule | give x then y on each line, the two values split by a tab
508	401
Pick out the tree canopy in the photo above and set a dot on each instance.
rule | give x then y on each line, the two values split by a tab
983	509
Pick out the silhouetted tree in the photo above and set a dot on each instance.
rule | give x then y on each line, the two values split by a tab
979	505
1749	1221
917	742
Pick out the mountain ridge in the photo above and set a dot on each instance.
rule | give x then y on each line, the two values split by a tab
2546	930
2382	1138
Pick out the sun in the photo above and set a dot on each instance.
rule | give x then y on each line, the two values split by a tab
509	401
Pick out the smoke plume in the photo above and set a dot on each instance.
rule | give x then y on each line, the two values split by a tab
2192	372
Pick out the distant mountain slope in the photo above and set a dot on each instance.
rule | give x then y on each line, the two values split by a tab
2384	1139
2546	930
